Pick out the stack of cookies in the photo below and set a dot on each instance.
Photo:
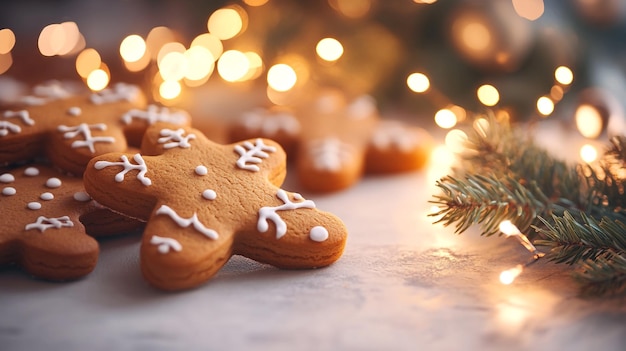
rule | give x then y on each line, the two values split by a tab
82	165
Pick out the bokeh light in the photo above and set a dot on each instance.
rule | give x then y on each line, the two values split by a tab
564	75
59	39
255	2
456	140
200	62
233	65
157	38
7	41
87	61
281	77
445	118
588	153
211	43
418	82
588	121
329	49
6	61
169	89
545	105
351	8
98	79
226	23
133	48
488	95
529	9
173	66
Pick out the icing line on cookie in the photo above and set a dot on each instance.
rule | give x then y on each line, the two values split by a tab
155	114
164	245
267	213
329	154
7	127
140	166
119	92
174	138
44	223
85	129
186	222
252	153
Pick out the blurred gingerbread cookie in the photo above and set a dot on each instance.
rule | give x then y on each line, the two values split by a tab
70	128
334	141
204	202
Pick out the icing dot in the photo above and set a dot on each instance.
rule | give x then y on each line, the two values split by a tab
201	170
34	205
209	194
318	233
74	111
8	191
46	196
82	196
31	171
7	178
53	183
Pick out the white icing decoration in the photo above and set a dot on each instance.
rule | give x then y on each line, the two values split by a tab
318	233
155	114
270	124
329	154
74	111
201	170
267	214
174	138
31	171
7	127
209	194
44	223
164	245
250	153
82	196
7	178
361	107
53	182
34	205
119	92
85	129
390	134
45	92
140	166
8	191
46	196
186	222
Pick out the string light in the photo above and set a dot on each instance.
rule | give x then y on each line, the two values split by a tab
281	77
488	95
588	121
564	75
132	48
509	229
226	23
418	82
445	118
329	49
98	79
545	105
588	153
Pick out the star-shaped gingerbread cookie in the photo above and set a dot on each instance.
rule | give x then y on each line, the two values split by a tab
205	202
69	129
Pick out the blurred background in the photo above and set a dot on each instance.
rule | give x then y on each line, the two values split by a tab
434	61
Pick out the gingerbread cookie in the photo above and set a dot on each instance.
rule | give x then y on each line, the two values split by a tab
44	218
205	202
333	142
70	129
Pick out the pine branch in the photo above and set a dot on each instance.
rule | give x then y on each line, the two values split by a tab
603	277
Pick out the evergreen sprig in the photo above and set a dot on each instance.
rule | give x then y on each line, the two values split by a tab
578	212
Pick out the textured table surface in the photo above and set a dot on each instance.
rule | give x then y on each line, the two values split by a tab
402	284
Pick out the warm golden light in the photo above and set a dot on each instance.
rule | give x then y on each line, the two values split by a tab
418	82
588	153
556	93
7	41
168	48
445	118
455	140
169	89
329	49
173	66
132	48
507	277
588	121
458	111
200	62
255	2
488	95
508	228
255	65
545	105
6	61
529	9
564	75
226	23
59	39
87	61
351	8
233	65
281	77
476	36
98	79
157	38
210	42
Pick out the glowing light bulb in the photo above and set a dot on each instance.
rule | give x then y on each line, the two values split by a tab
445	118
281	77
545	105
488	95
418	82
132	48
508	276
588	153
564	75
508	228
329	49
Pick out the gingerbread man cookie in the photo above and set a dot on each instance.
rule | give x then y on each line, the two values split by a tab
334	141
45	214
70	129
205	202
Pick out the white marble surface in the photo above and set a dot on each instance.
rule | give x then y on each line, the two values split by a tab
402	284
